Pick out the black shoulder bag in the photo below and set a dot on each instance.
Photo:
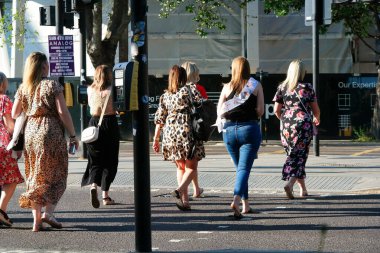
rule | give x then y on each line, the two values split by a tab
203	116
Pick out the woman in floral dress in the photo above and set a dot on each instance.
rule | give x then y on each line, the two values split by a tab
301	110
10	174
46	156
178	143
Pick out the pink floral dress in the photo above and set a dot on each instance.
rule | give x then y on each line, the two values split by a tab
296	127
9	171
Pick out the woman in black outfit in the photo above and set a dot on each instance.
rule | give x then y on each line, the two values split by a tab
103	154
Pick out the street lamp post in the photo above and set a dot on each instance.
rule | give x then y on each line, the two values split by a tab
140	124
316	23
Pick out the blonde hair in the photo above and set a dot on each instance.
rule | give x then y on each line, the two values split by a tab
3	83
177	78
33	71
192	72
240	73
102	78
296	73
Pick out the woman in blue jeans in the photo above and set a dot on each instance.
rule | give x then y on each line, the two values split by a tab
240	106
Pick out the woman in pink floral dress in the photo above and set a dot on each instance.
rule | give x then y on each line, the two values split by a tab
301	110
10	174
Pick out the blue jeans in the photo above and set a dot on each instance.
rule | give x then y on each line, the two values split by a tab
242	140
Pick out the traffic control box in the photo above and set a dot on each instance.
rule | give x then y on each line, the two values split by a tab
125	86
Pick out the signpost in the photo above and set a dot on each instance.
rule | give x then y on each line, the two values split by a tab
317	12
61	55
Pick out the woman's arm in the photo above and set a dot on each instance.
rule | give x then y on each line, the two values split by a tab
277	110
221	100
9	123
316	113
156	138
65	116
260	101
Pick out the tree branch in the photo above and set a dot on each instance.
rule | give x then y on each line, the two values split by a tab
118	22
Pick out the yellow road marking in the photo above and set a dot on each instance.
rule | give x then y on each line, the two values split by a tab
280	151
366	152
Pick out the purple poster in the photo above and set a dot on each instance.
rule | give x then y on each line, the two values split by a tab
61	55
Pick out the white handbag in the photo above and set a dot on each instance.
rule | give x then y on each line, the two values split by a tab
91	134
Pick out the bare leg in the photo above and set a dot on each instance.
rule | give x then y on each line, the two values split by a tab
36	211
180	170
190	171
235	207
49	218
196	188
302	185
246	206
289	188
107	199
6	195
50	208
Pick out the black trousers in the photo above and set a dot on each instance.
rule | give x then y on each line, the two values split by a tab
103	154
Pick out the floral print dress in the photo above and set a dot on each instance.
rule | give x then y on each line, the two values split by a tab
174	113
45	151
9	171
296	127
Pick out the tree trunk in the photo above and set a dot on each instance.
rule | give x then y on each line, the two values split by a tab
103	51
123	47
375	126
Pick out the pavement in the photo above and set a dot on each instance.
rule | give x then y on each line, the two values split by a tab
341	215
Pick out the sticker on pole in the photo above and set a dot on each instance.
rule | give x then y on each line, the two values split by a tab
61	55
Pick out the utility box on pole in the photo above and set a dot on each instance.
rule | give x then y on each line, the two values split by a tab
125	86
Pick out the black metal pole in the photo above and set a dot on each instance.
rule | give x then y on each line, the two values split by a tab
83	73
316	21
59	19
140	122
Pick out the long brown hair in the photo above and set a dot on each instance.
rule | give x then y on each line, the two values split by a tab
102	78
177	78
33	71
240	73
3	83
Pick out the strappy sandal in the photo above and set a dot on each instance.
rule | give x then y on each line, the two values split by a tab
289	192
51	220
236	212
178	201
200	195
183	207
108	201
4	219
